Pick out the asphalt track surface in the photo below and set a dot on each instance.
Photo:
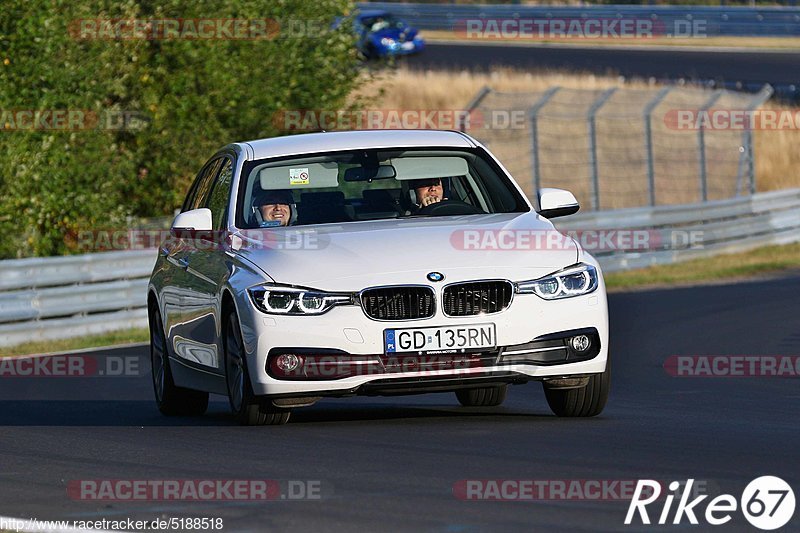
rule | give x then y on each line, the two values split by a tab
749	67
391	463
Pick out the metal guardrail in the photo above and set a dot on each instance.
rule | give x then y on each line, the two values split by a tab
60	297
684	232
718	20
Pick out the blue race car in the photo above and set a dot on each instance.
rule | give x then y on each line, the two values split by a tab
380	34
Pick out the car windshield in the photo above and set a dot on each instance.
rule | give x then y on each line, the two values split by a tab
377	23
362	185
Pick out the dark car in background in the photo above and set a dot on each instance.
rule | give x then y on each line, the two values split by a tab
380	34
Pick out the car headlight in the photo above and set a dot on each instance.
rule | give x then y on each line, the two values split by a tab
278	300
572	281
387	41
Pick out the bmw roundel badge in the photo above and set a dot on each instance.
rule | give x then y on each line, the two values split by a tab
435	276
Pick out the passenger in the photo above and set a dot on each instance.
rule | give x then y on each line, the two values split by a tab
274	207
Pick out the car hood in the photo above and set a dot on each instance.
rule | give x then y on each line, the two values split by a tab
354	255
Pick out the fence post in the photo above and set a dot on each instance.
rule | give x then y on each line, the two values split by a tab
648	141
746	155
701	144
473	104
533	118
590	117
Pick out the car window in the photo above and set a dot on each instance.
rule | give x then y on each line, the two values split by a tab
193	189
220	194
200	190
361	185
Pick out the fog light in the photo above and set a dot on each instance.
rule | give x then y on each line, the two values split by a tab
287	362
580	343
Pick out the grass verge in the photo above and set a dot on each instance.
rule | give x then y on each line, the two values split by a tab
111	338
728	267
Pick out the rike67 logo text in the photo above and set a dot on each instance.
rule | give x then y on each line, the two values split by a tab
767	503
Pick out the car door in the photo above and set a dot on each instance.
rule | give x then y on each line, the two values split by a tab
179	307
207	269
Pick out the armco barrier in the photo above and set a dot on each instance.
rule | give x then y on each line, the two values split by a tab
717	20
59	297
723	226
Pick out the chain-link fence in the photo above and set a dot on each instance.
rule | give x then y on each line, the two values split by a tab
623	147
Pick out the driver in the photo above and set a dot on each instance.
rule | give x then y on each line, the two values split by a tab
274	207
428	191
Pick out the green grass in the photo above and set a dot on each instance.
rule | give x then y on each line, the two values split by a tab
768	259
79	343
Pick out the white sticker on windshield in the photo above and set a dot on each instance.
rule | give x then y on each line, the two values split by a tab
298	176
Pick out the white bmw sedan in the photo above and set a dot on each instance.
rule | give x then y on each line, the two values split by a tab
371	263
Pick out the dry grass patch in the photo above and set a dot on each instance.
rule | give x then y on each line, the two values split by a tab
112	338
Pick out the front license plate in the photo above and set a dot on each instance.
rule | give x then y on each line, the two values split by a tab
448	339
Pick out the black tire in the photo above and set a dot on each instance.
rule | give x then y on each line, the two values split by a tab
585	401
483	397
248	409
171	399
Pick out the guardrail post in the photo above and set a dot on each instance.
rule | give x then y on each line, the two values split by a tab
590	117
746	153
701	144
473	104
648	140
533	118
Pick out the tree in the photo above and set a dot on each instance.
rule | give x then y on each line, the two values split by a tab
182	99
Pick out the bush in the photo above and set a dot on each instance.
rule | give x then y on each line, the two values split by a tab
195	95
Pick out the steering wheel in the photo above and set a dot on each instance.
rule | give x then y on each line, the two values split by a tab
450	207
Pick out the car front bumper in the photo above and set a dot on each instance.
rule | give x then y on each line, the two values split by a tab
346	331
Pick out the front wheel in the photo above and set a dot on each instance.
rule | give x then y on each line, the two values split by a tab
171	399
585	401
248	409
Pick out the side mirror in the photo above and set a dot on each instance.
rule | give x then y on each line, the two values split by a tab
190	223
557	203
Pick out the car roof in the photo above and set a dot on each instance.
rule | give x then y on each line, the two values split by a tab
335	141
372	13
